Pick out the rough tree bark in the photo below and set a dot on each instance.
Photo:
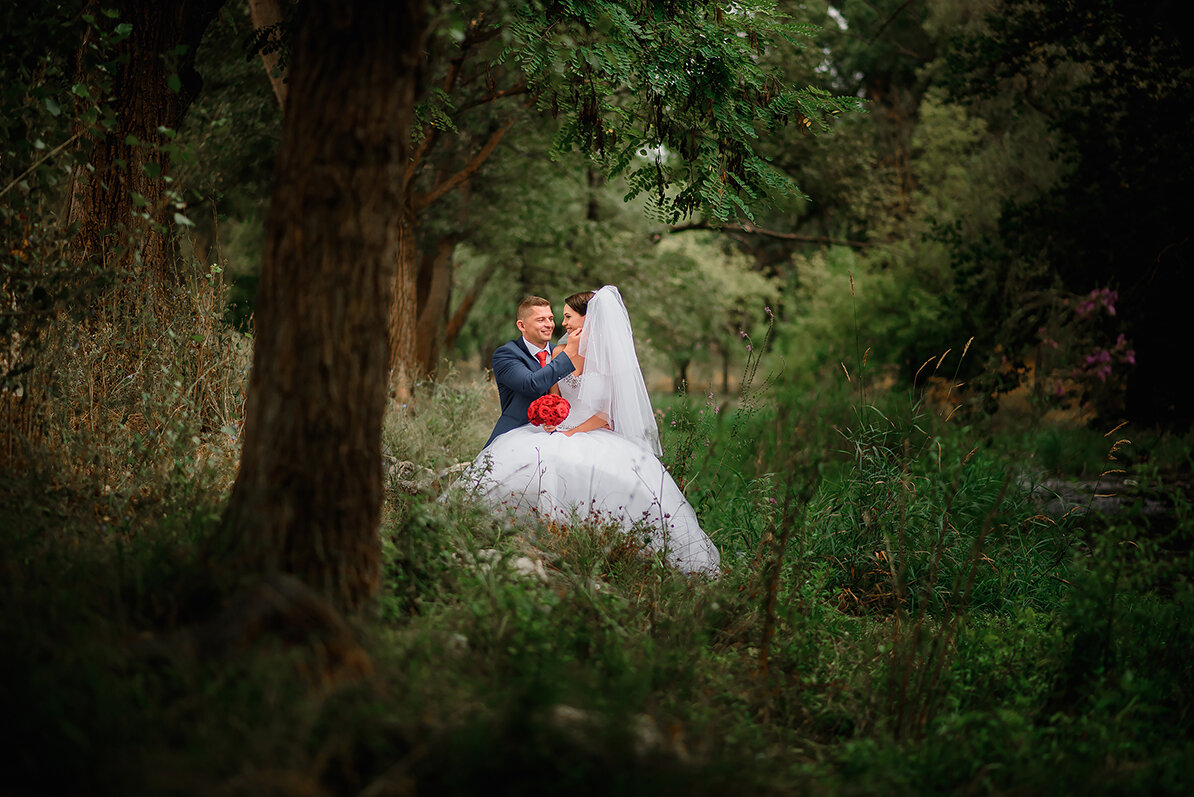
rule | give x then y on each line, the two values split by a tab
102	200
307	498
401	328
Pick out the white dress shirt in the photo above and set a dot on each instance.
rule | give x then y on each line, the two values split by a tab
534	350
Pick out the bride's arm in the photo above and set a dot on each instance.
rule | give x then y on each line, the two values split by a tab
594	422
555	389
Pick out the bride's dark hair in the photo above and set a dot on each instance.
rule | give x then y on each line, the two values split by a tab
579	301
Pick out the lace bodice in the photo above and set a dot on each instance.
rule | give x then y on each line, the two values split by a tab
570	387
570	390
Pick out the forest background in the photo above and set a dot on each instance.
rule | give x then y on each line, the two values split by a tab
909	283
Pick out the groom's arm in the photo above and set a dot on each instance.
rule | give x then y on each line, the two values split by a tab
514	373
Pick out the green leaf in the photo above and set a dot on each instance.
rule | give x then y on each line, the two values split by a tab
152	170
53	107
174	83
183	221
124	29
132	141
82	91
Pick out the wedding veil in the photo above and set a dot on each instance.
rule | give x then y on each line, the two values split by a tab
613	382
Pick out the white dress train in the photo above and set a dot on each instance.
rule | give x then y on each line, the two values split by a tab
601	472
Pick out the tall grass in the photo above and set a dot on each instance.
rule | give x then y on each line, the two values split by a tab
894	615
128	410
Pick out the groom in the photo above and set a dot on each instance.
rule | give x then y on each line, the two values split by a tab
524	368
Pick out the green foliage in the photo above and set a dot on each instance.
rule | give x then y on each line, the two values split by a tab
131	416
443	423
932	628
1068	451
919	521
851	307
692	298
696	100
233	127
44	111
624	673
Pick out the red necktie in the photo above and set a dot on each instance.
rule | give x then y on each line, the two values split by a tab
542	355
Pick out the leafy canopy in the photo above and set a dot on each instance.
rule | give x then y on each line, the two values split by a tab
673	94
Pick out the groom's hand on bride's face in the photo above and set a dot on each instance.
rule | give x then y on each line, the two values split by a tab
572	347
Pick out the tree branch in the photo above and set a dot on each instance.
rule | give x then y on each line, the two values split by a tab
889	20
474	36
470	168
456	322
40	161
497	95
428	141
478	36
747	227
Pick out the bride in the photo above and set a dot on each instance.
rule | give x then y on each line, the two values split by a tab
603	458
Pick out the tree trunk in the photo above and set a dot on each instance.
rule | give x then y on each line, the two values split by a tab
595	180
307	498
456	322
422	295
680	379
725	370
403	315
434	297
266	13
102	200
487	349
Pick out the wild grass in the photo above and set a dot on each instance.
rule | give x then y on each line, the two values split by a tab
443	423
127	411
894	615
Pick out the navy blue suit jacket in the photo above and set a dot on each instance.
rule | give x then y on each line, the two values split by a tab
520	381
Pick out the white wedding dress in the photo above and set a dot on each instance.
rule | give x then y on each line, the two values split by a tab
615	474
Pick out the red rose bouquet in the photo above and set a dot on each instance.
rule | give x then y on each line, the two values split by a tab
549	410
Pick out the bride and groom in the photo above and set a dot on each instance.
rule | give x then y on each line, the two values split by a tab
603	458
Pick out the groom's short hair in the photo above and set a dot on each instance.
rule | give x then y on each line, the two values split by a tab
529	303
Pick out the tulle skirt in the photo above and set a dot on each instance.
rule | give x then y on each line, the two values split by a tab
557	477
